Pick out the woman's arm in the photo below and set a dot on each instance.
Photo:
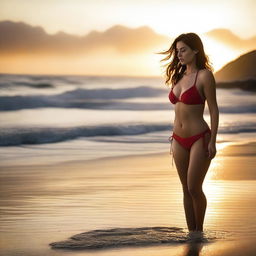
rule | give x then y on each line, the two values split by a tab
209	87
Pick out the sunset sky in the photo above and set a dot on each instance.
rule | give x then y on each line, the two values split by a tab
168	18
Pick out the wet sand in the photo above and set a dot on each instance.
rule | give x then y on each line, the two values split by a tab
49	203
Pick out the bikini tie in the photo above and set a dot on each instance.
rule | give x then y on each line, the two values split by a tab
171	151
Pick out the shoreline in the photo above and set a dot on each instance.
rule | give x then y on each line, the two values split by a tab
233	149
49	203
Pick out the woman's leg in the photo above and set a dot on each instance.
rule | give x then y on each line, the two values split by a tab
197	169
181	159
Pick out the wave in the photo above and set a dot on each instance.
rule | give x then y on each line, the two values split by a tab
81	98
35	135
104	98
22	136
35	85
36	81
239	109
120	237
238	127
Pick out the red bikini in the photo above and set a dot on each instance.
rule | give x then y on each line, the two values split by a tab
190	97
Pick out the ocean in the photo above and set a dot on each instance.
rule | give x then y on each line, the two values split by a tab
82	153
63	118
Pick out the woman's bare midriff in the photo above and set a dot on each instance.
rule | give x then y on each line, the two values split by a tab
189	120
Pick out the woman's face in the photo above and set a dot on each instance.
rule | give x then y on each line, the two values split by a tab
185	54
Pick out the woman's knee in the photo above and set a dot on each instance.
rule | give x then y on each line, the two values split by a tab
195	190
185	190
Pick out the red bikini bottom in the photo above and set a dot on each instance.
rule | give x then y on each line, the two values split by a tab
189	141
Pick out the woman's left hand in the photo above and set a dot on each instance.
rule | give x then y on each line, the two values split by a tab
211	150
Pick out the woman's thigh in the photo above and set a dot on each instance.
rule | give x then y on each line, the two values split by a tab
181	159
198	164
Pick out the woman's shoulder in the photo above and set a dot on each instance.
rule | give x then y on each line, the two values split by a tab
206	75
205	72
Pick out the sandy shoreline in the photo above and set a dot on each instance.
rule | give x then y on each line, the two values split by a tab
22	186
241	149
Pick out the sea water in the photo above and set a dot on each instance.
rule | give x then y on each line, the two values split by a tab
60	118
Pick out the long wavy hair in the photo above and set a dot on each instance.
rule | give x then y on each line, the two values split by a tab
175	69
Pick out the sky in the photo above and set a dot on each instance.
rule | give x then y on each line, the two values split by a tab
166	17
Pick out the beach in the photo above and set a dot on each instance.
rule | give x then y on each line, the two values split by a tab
42	204
91	154
89	105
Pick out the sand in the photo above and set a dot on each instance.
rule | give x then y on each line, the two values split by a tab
46	203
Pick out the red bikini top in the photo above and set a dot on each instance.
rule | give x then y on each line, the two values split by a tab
191	96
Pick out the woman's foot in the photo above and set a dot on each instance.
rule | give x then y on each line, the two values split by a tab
196	236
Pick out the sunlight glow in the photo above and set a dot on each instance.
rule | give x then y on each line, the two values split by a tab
170	18
219	54
174	18
211	188
215	164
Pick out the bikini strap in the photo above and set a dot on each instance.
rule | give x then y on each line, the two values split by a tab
196	77
171	151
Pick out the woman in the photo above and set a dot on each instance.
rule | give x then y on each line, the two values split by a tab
192	141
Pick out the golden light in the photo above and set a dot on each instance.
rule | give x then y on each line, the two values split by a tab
170	18
212	188
219	54
216	163
173	18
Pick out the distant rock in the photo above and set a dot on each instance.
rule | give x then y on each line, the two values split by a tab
242	68
22	38
233	41
248	85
